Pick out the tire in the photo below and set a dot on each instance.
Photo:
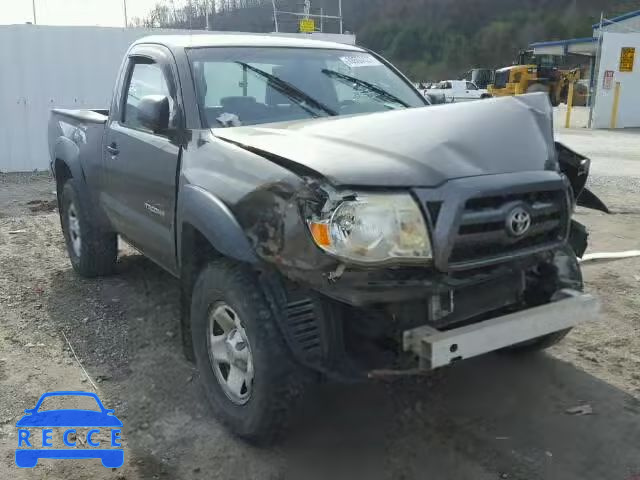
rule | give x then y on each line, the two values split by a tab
92	251
259	409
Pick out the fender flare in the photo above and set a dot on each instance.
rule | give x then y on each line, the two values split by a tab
208	214
68	152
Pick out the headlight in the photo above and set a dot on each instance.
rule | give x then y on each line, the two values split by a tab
373	228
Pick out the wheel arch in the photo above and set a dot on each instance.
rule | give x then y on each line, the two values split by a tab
66	155
202	212
207	230
66	165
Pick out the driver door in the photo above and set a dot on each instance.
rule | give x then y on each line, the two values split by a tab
143	164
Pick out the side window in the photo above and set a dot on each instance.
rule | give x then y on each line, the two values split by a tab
147	78
471	86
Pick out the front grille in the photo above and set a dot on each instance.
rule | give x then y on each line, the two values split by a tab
483	234
501	79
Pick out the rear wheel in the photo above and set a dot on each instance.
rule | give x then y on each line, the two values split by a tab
247	370
92	251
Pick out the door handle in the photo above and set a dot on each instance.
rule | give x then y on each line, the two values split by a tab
113	149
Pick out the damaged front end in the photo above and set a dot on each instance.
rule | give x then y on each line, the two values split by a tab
351	270
459	264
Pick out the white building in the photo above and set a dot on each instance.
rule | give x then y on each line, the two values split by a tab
66	67
613	51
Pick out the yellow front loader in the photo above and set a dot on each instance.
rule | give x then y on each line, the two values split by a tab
528	77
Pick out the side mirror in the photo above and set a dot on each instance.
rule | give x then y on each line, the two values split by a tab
153	112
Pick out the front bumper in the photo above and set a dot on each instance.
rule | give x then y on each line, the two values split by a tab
440	348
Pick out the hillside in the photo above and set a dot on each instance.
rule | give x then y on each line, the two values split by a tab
428	39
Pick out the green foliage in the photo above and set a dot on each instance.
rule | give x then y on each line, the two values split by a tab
427	39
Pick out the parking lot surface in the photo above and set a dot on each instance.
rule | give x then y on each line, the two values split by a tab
493	417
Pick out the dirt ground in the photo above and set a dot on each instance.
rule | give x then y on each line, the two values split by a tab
488	418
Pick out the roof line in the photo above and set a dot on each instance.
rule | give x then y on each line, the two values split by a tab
609	21
569	41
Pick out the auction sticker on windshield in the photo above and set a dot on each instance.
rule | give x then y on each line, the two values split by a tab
88	431
363	60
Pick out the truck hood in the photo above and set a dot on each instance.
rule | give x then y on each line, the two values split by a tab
412	147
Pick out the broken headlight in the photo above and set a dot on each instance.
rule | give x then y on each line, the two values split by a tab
373	228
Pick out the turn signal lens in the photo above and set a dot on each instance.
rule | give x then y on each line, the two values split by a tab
320	233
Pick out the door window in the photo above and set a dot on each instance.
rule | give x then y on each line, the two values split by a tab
471	86
147	78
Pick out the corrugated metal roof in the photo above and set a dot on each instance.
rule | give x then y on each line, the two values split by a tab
569	41
609	21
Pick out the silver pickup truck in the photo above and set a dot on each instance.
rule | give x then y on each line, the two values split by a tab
323	221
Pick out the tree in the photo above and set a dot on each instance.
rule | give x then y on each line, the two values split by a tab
428	39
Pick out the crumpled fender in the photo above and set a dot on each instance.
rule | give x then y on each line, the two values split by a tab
576	168
215	221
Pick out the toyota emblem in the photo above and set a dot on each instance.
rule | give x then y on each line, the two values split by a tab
518	222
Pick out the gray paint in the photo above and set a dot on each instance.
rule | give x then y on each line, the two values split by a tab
244	188
415	147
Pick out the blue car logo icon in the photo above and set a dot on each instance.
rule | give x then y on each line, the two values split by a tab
69	419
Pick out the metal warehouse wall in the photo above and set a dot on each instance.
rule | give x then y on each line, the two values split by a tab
629	104
42	67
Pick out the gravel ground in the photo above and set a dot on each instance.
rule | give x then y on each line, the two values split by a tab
492	417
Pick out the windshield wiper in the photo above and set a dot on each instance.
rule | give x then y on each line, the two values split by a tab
381	92
301	98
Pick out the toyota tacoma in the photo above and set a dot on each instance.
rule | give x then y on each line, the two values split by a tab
324	222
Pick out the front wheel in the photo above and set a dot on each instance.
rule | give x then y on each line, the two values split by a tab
246	368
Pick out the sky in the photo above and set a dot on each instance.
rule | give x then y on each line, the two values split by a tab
107	13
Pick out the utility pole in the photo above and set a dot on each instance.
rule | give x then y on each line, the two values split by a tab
33	4
340	13
275	14
595	72
126	21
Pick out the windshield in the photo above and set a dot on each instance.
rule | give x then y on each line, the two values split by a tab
248	86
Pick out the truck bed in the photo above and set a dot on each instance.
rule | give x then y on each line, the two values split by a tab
97	115
78	131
